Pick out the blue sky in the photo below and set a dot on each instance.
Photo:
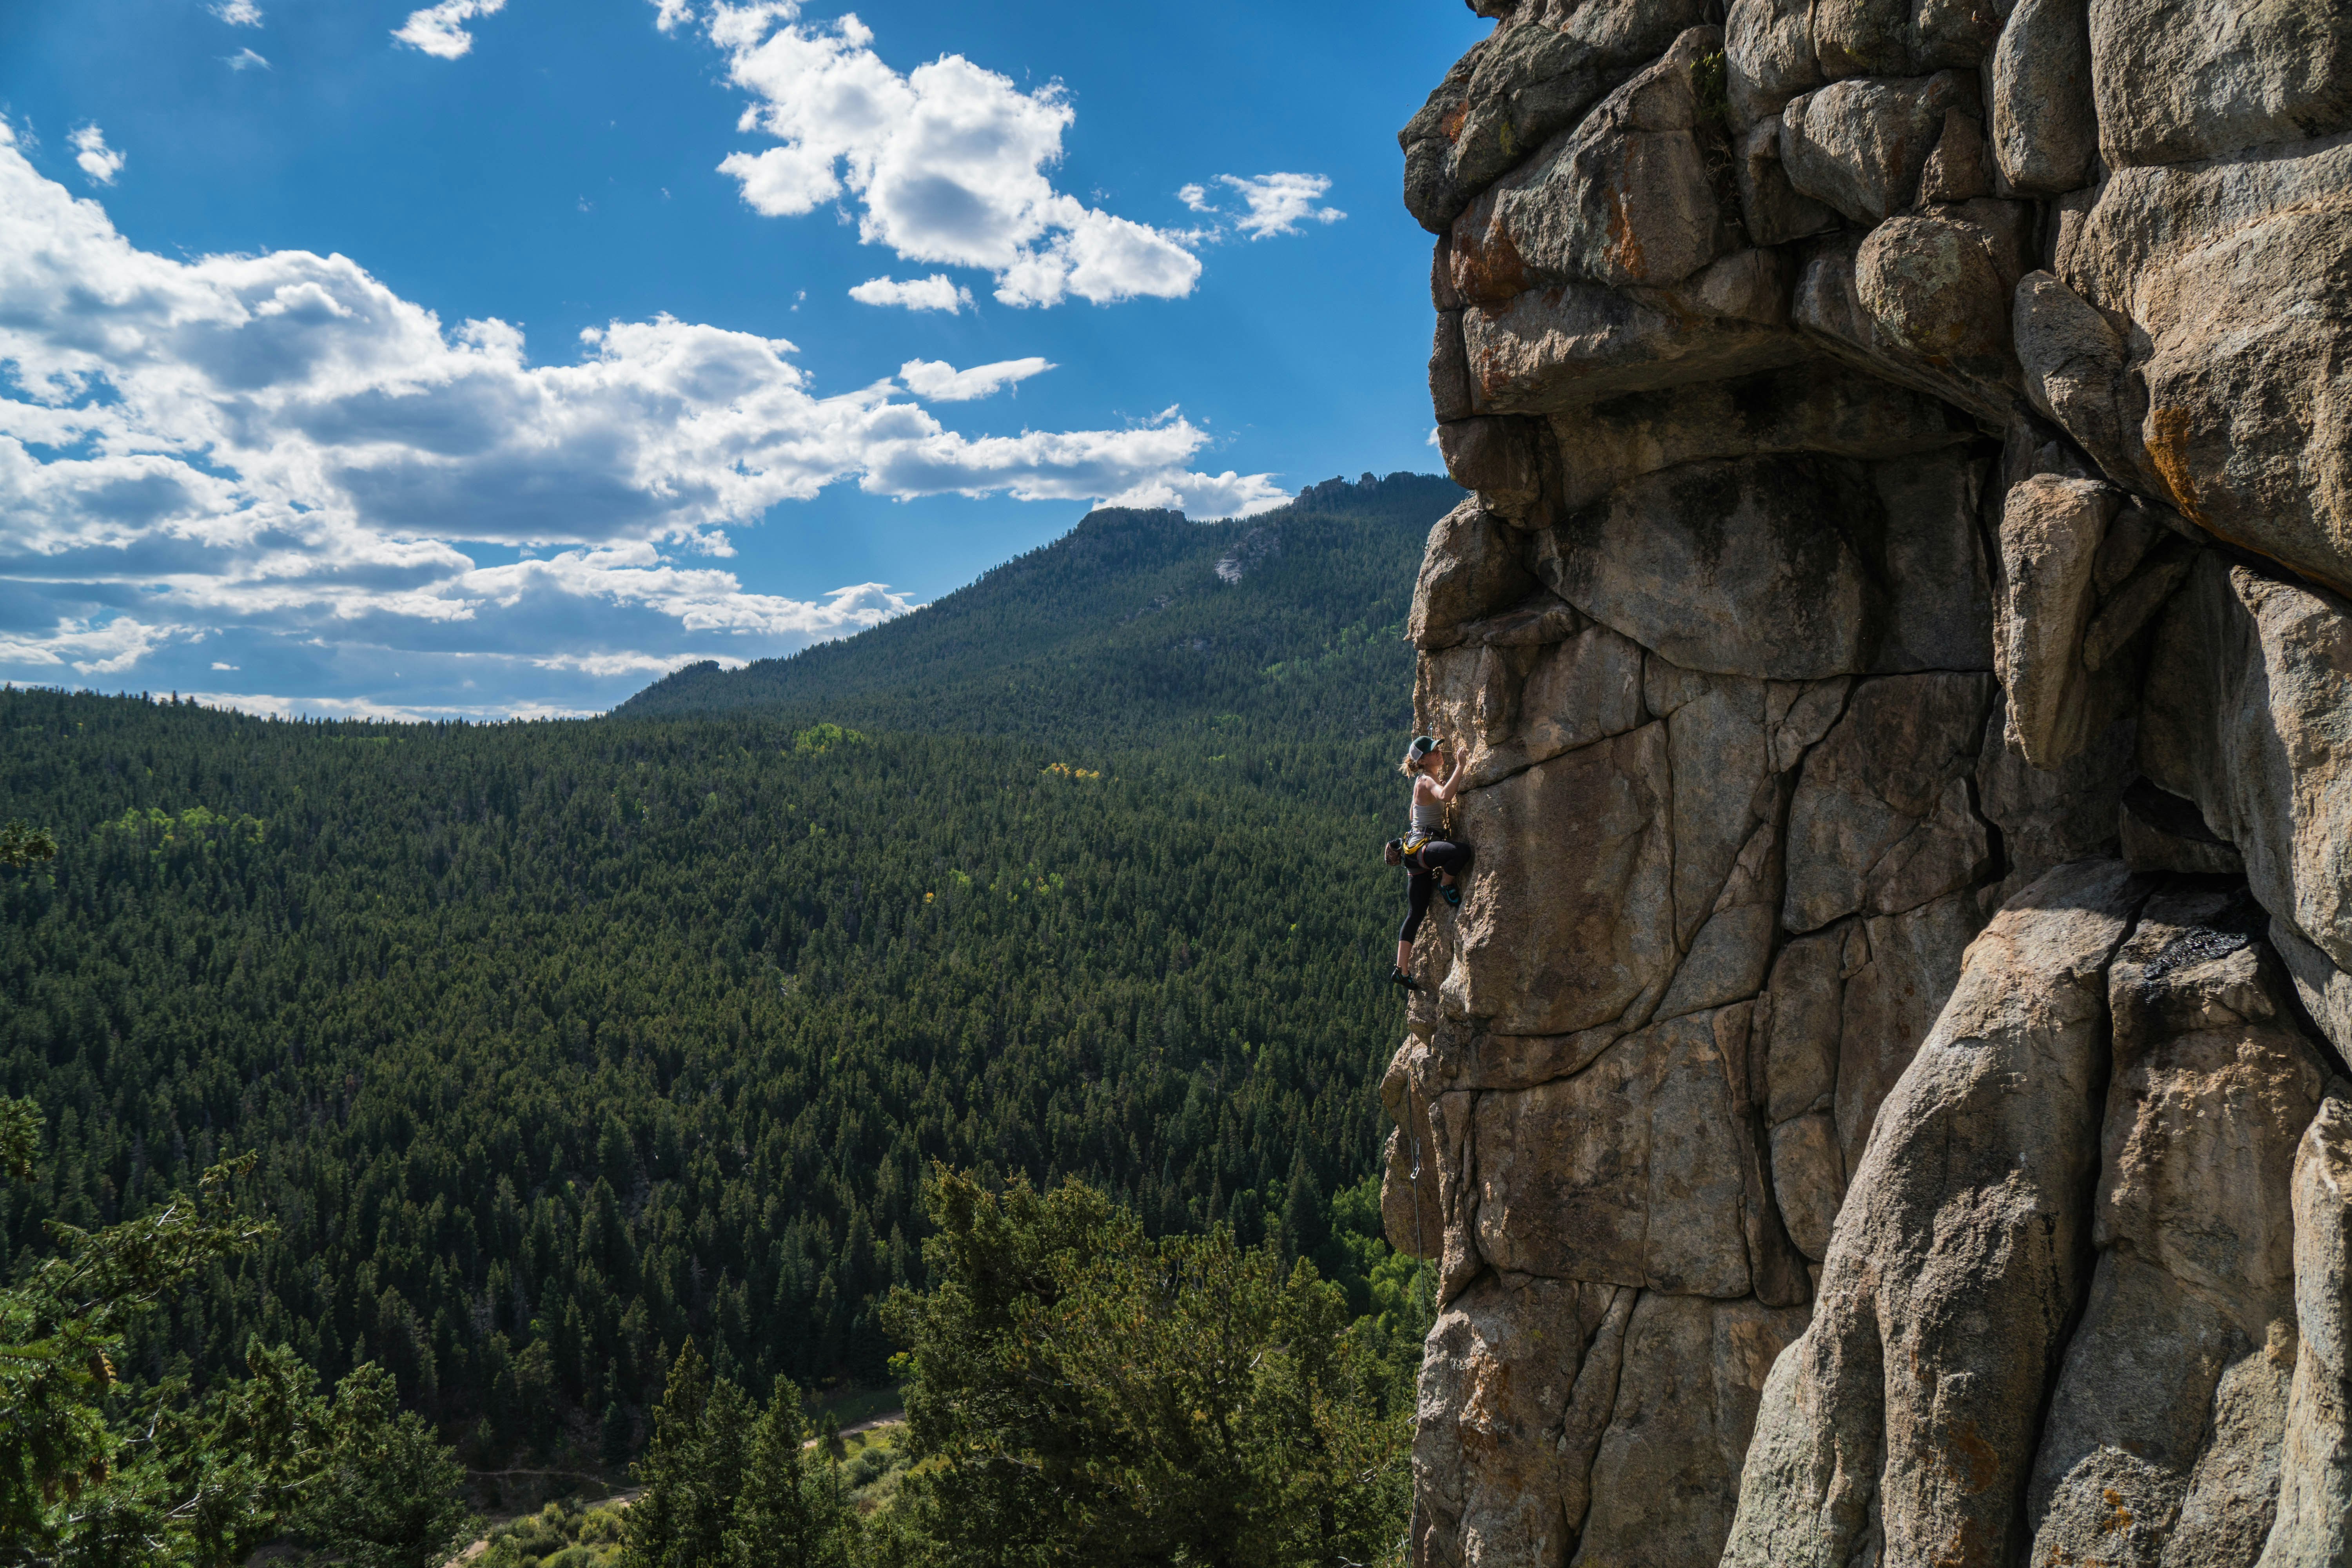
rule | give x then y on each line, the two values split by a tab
494	356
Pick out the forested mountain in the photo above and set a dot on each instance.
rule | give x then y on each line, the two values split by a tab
560	1042
1131	628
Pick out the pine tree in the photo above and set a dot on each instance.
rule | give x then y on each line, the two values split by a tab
793	1511
1305	1225
692	1471
391	1496
613	1434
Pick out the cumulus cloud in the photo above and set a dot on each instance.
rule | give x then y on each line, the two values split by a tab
90	645
245	60
672	15
945	163
279	446
239	13
440	30
1228	494
99	161
1271	203
936	292
936	381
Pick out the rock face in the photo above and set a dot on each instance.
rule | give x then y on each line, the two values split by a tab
1877	1101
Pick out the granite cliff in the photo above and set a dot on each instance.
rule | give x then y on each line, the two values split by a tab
1882	1099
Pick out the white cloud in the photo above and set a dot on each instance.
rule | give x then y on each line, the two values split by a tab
604	664
279	449
239	13
245	60
268	707
672	14
1196	197
440	30
1277	204
92	646
99	161
945	163
1205	495
936	292
936	381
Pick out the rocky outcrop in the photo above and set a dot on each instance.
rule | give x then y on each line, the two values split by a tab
1874	1103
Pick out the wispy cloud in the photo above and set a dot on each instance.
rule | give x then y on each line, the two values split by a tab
1271	203
239	13
246	60
946	164
936	292
440	30
936	381
99	161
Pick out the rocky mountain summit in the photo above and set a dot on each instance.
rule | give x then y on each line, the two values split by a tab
1882	1099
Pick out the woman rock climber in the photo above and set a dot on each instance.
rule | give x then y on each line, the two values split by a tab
1433	862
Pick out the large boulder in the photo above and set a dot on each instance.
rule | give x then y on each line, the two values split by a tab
1473	567
2052	529
2071	361
1565	345
1625	198
1900	1426
2045	130
2227	279
2190	79
1860	146
1535	75
1939	285
1769	50
1899	37
1838	296
2162	1440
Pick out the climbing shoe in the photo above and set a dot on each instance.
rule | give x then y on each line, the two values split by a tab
1399	977
1460	873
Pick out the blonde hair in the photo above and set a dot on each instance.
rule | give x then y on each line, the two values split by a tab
1411	765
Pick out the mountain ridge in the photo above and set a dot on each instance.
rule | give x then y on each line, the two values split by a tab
1130	620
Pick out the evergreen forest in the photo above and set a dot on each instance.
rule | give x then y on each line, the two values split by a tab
559	1044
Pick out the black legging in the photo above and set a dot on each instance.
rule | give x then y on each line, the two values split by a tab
1436	856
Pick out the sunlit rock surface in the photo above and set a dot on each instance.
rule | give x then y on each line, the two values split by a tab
1881	1097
